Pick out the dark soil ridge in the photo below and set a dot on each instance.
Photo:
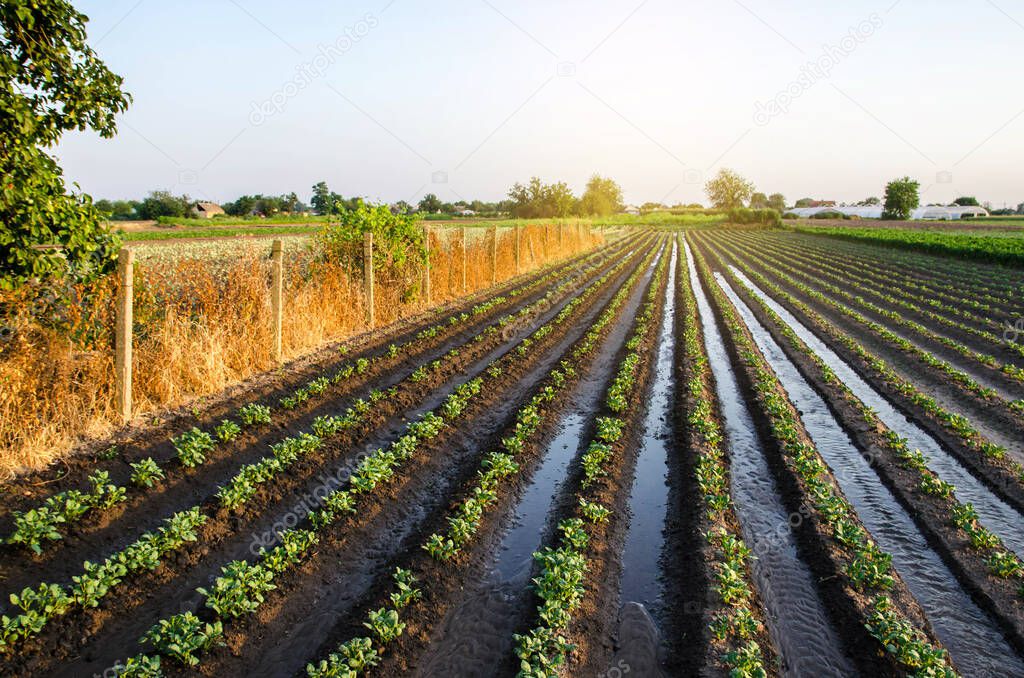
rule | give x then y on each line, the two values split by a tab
447	584
62	636
998	597
997	475
141	440
688	558
113	531
848	608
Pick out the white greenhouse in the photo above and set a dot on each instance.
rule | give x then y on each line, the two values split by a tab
875	212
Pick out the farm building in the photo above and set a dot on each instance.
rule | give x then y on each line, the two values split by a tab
932	213
206	210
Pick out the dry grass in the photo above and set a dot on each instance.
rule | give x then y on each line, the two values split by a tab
202	325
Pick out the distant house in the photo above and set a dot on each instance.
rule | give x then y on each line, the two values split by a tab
631	209
206	210
466	213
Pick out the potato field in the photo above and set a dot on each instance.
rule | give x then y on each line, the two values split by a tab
714	451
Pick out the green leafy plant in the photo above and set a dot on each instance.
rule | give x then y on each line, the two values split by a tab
254	415
227	431
192	447
183	636
146	473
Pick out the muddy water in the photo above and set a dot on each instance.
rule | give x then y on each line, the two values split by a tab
995	513
975	643
648	499
797	621
476	637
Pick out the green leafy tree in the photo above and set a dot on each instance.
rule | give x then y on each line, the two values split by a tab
163	204
967	201
728	190
322	201
53	83
537	200
777	202
602	197
430	204
902	197
870	202
804	202
758	201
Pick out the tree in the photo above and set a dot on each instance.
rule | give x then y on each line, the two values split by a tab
1020	208
162	204
602	197
728	190
967	201
901	199
430	204
538	200
322	200
777	202
53	83
870	202
758	201
804	202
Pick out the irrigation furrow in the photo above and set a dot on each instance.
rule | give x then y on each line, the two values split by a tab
988	430
882	627
798	622
975	642
299	617
996	514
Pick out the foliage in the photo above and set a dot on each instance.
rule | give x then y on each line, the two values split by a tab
146	473
602	197
398	240
901	199
184	635
192	447
539	200
976	247
767	217
54	83
728	190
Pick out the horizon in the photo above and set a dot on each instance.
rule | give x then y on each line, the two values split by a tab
463	100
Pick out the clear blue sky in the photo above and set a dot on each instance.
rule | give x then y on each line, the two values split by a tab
656	94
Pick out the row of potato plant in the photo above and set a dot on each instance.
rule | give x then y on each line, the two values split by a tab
464	520
36	612
34	527
1002	562
250	583
959	377
957	424
1008	369
562	579
891	289
867	568
742	620
933	294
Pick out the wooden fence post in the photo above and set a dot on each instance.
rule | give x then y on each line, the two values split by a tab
519	259
561	239
277	297
547	246
123	335
465	263
494	255
426	271
371	316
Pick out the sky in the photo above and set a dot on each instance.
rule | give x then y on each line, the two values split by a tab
393	99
